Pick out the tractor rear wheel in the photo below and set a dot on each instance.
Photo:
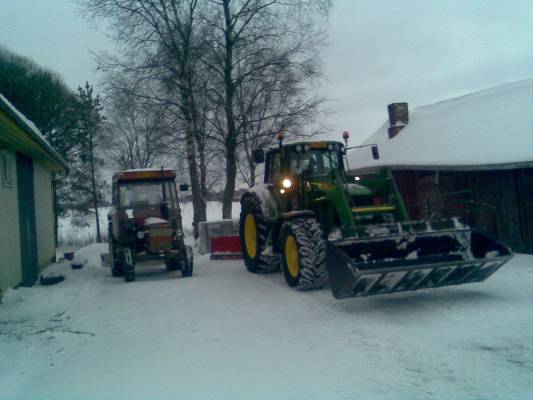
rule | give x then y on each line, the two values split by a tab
303	250
254	230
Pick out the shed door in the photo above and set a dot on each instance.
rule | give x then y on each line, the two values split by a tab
28	233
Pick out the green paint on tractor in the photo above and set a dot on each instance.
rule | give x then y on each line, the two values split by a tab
353	229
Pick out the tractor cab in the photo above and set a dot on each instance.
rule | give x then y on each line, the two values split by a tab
311	176
302	159
145	194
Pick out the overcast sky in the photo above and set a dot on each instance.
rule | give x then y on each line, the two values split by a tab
380	51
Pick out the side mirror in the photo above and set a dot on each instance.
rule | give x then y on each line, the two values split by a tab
259	156
375	152
184	187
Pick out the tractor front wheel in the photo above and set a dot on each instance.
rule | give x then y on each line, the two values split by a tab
303	250
186	269
254	232
129	265
117	267
172	264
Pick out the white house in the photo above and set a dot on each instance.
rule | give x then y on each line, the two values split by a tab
27	162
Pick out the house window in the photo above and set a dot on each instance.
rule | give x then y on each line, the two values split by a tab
5	171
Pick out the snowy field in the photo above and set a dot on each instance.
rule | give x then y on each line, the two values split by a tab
79	231
229	334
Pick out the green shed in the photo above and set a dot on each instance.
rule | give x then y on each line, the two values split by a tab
27	165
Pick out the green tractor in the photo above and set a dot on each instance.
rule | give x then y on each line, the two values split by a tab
314	221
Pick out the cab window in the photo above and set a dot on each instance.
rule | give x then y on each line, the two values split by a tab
314	162
274	167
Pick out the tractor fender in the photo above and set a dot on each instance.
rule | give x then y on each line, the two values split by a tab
263	193
283	218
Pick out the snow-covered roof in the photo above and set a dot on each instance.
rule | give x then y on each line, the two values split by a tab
147	169
490	129
30	128
302	142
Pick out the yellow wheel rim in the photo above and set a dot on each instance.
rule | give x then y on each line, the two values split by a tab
291	256
250	236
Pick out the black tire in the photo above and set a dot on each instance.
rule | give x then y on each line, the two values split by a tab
258	262
311	250
129	270
117	267
186	270
172	264
129	273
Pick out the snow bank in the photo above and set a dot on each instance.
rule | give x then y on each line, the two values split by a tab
214	212
75	231
493	126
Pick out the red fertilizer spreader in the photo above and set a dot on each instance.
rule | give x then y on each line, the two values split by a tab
226	248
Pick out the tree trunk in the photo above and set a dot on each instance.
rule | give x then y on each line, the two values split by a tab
203	171
95	192
198	202
231	172
252	172
231	138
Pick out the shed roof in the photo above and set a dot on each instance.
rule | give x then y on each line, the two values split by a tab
490	129
37	146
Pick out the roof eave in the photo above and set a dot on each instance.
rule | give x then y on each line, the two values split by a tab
480	167
61	164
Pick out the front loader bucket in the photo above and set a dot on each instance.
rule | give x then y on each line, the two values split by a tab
411	261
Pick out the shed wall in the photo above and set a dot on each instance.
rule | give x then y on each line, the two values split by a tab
10	262
498	203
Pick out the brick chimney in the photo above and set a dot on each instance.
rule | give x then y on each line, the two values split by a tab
398	117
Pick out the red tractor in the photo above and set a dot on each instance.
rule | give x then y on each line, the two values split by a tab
145	222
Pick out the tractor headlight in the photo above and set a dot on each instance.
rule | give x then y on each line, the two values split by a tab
286	183
140	235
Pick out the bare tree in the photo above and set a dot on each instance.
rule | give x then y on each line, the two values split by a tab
158	37
281	101
140	128
247	39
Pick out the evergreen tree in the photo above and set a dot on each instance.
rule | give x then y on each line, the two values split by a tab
90	135
44	98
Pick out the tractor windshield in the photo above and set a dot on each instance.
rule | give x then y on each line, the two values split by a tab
314	161
146	194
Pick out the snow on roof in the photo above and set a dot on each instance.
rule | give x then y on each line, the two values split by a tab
295	142
147	169
31	129
492	129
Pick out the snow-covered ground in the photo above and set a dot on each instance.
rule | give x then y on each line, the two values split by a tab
229	334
